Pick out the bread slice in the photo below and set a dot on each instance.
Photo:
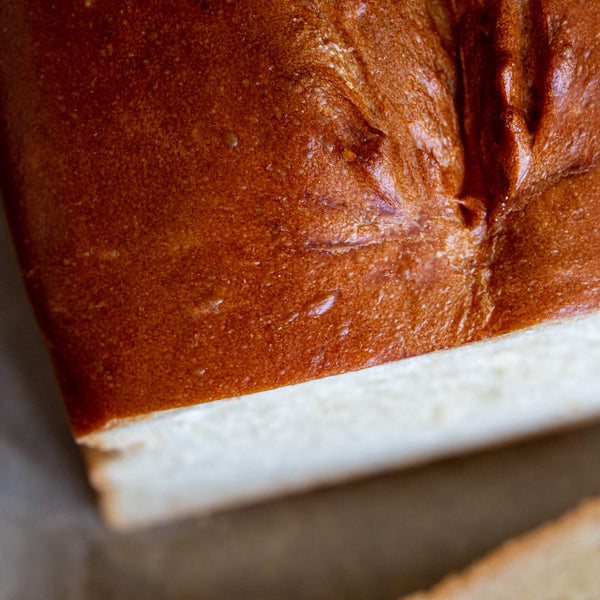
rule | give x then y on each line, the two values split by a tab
560	561
272	244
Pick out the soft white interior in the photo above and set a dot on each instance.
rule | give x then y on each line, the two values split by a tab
227	452
562	563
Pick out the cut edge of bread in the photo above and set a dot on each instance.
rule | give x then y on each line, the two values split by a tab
231	452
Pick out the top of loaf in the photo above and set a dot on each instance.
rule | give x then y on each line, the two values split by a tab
215	197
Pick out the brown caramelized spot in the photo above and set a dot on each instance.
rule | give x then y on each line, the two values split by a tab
349	155
230	139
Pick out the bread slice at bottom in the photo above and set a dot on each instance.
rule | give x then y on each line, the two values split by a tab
560	561
184	461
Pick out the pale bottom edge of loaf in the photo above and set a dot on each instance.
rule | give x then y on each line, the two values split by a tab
559	561
211	456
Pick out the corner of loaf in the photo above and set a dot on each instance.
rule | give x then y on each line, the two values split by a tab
270	257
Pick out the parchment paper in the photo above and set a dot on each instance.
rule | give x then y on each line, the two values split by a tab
377	538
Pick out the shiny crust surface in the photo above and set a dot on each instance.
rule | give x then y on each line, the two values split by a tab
213	198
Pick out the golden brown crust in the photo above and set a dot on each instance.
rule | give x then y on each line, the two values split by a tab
213	198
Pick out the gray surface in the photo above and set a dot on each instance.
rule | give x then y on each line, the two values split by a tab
373	539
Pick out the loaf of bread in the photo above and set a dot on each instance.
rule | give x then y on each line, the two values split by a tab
559	560
226	210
